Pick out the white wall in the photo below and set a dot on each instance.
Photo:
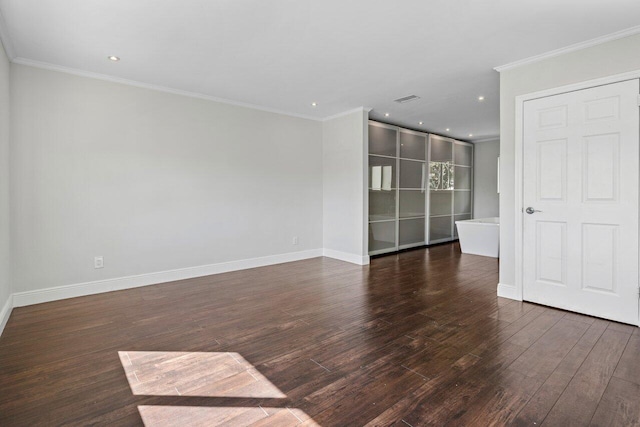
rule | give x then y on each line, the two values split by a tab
344	186
486	201
5	264
603	60
151	181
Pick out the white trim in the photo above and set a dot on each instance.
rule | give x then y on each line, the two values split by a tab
519	230
508	291
5	313
344	256
519	146
601	81
365	182
105	77
6	39
571	48
346	113
89	288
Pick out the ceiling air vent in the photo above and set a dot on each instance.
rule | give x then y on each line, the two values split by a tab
406	99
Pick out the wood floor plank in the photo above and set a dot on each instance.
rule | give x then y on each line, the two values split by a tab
577	404
629	367
505	395
541	403
619	405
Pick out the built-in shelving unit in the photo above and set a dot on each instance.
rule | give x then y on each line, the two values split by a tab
419	185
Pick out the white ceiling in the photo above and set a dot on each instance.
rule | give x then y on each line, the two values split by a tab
342	54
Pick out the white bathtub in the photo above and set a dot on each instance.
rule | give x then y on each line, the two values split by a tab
480	236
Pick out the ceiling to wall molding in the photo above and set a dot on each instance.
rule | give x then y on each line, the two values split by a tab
284	55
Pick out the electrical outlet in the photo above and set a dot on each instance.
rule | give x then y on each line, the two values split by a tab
98	262
295	240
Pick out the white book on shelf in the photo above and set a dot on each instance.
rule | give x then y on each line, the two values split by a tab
376	177
387	174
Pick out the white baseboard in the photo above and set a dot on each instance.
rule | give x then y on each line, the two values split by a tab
344	256
21	299
5	313
508	291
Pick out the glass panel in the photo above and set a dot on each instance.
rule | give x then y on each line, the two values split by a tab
412	174
441	150
411	231
382	173
440	176
463	178
463	154
382	141
382	235
459	218
412	146
440	203
411	203
382	205
439	228
462	202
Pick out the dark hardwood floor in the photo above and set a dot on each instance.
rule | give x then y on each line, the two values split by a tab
415	339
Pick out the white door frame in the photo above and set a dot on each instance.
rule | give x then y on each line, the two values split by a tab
519	165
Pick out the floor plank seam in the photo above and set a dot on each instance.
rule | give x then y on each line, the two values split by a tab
613	371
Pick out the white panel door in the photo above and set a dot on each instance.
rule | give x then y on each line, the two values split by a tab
581	162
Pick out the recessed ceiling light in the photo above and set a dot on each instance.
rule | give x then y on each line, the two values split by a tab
481	98
419	123
386	114
313	104
113	58
470	135
447	129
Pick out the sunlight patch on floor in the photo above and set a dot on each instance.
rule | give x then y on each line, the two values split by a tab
189	416
217	374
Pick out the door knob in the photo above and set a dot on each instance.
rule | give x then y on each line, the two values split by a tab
531	211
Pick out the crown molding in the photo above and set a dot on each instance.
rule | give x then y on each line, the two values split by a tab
571	48
158	88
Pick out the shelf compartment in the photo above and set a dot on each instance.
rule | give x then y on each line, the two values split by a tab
382	173
411	231
463	154
412	174
462	177
440	228
462	202
382	236
440	203
412	203
382	205
412	146
383	141
441	150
